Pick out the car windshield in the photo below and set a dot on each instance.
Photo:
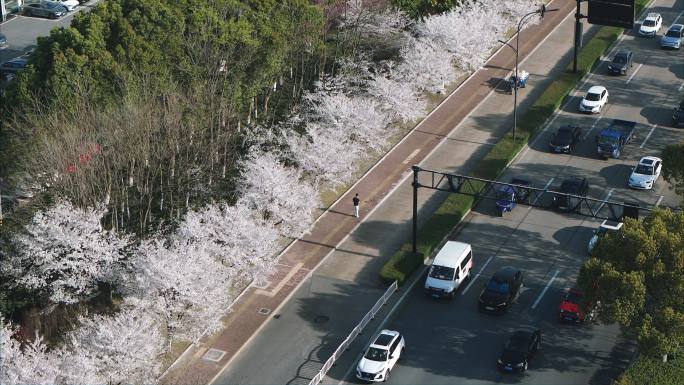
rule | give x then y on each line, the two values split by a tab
649	23
644	170
672	33
517	343
498	286
608	140
592	97
375	354
442	272
505	195
620	59
573	296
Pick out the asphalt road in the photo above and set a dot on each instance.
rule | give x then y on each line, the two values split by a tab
451	342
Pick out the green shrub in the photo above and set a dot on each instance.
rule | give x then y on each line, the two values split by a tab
456	206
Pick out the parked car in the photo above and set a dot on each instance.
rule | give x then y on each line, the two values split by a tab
565	139
678	115
594	100
646	173
651	24
622	61
518	350
577	187
673	37
574	308
501	290
10	68
605	227
70	5
381	356
47	9
3	41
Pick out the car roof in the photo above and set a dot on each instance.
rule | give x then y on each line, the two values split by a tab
596	89
623	53
573	180
676	27
384	338
505	273
567	127
649	160
652	15
611	225
450	253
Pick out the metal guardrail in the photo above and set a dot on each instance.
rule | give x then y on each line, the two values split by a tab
354	333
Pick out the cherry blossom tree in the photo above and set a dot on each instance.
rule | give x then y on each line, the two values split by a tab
66	252
30	363
121	349
279	192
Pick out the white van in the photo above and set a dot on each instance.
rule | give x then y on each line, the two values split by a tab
449	269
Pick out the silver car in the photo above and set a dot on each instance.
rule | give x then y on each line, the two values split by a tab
673	37
46	9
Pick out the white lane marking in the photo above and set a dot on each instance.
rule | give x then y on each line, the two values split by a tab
548	284
677	18
411	156
648	136
539	196
472	281
592	127
634	73
610	192
659	200
681	86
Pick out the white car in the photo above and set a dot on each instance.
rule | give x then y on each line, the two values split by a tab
651	25
70	5
380	357
605	227
594	100
646	173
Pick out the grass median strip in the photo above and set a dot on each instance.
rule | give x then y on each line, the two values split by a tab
404	262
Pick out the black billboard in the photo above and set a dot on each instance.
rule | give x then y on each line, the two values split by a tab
614	13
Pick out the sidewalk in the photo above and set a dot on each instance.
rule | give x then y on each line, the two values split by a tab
311	308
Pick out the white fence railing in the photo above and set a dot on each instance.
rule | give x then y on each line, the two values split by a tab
354	333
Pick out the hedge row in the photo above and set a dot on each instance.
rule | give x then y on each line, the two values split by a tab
403	263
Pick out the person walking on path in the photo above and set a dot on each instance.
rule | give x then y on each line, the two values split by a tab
356	202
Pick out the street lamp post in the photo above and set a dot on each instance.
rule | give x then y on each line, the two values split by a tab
542	9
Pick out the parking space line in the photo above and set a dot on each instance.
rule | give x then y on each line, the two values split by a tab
548	284
472	281
592	127
681	86
648	136
610	192
634	73
659	200
539	196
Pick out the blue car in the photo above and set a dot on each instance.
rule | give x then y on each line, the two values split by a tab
673	37
507	197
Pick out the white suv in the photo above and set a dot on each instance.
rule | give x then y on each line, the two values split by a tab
380	357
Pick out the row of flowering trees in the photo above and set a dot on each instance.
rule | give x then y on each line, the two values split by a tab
176	283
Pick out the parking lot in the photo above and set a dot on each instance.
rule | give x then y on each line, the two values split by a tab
450	342
22	31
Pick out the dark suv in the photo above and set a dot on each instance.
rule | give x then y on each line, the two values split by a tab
622	61
501	290
9	69
577	186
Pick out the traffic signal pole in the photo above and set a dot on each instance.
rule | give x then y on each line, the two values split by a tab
578	34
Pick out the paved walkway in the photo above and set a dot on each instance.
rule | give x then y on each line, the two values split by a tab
345	285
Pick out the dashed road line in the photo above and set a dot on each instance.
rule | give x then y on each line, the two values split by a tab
472	281
610	192
659	200
592	127
634	73
548	284
648	136
539	196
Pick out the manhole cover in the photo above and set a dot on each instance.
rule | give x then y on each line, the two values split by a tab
321	319
264	311
214	355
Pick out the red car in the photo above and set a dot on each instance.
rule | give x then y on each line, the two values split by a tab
573	308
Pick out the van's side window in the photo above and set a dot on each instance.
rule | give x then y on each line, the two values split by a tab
466	259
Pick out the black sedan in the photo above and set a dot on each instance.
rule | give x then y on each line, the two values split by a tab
518	350
622	61
565	139
501	290
576	188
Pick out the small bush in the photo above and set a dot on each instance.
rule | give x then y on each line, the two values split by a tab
401	265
